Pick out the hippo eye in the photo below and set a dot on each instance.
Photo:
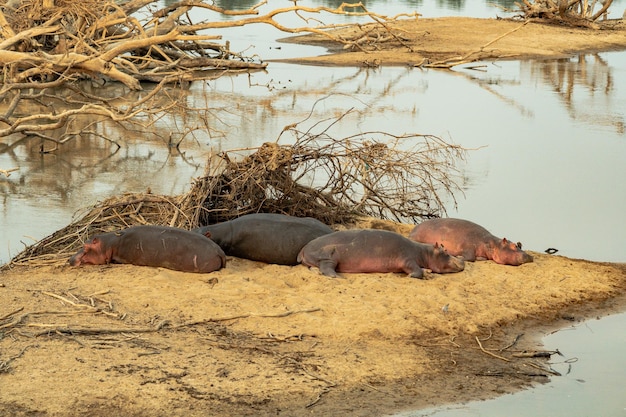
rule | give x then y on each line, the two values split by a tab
519	245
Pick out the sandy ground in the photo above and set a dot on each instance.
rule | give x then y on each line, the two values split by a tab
460	39
256	339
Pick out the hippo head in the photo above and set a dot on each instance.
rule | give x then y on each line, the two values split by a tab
442	262
92	253
509	253
77	257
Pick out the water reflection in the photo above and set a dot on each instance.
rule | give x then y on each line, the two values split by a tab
371	5
43	194
485	8
593	385
236	4
586	86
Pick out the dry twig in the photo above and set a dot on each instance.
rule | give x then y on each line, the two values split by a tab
470	56
490	353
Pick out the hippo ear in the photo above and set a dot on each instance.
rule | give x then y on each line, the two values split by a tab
91	244
439	247
207	234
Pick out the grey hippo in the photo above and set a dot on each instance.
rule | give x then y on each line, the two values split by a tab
265	237
157	246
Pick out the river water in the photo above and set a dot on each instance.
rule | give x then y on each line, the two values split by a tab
547	164
592	381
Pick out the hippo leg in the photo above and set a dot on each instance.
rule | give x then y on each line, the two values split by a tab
417	273
414	270
469	255
328	261
327	267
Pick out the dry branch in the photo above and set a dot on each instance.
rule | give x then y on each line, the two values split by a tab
65	329
377	174
471	56
480	345
245	316
7	172
5	365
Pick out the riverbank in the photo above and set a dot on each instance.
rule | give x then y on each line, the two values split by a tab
257	339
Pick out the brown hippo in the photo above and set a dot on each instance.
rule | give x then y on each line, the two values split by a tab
469	240
369	250
265	237
167	247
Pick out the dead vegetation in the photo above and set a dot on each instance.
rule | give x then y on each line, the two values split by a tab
582	13
376	174
69	65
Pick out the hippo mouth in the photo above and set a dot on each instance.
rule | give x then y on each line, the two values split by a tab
76	259
526	258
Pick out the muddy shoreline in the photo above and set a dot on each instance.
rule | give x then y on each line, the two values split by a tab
256	339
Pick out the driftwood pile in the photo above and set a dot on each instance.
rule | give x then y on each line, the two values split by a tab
60	39
334	180
582	13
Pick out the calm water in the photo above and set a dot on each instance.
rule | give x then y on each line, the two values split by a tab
547	169
592	383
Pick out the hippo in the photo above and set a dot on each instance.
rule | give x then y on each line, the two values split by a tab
469	240
373	250
266	237
167	247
